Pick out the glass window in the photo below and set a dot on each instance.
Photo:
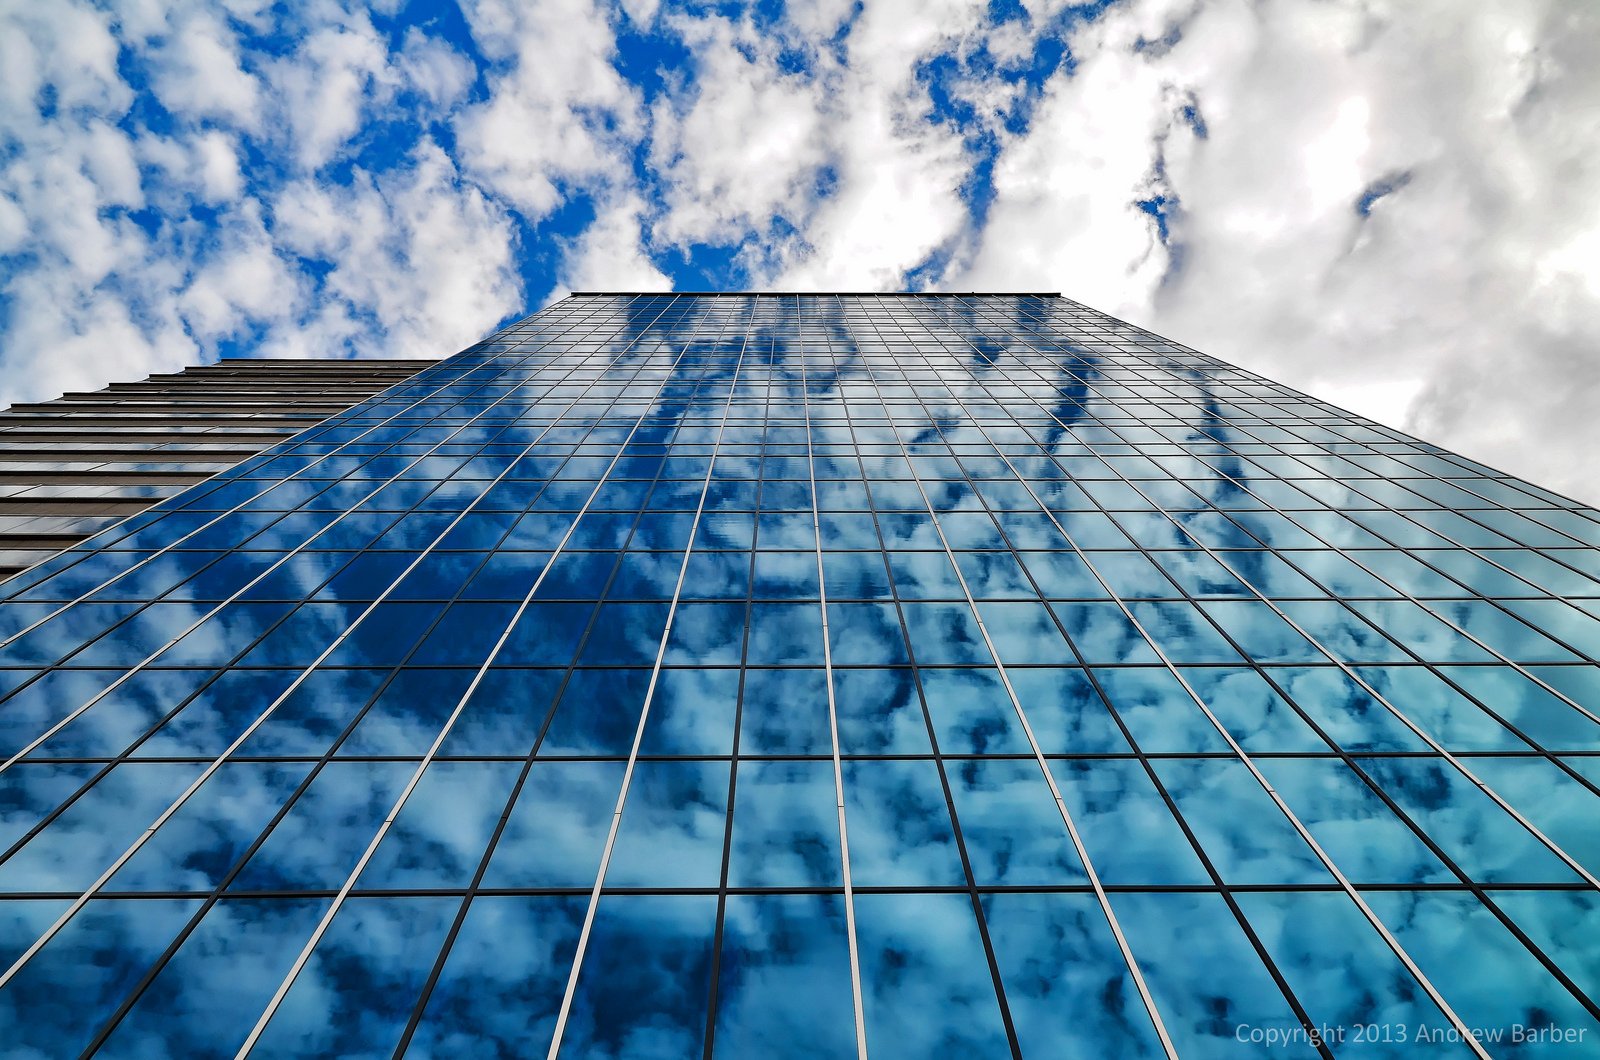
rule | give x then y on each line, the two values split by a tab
356	992
926	984
1067	986
60	998
673	825
646	978
783	983
502	981
1013	830
785	825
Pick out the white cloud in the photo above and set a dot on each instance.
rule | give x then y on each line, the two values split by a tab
558	112
642	12
325	88
435	69
75	174
132	251
607	257
218	166
245	280
899	175
1463	307
426	257
741	143
196	71
13	225
68	46
78	338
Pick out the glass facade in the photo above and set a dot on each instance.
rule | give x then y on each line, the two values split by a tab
815	675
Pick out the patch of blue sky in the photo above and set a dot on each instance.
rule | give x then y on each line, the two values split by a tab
948	77
1164	210
657	63
383	145
1381	188
245	342
703	267
1158	206
1190	112
440	19
541	244
652	61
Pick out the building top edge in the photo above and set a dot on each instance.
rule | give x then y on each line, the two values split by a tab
826	294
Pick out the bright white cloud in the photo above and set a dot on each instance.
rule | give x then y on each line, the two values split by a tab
559	116
196	70
70	48
246	279
1462	306
435	69
325	88
218	166
423	257
742	143
607	257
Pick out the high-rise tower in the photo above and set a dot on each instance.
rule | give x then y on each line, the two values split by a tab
75	465
813	675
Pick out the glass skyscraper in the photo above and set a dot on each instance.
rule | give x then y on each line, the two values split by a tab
812	675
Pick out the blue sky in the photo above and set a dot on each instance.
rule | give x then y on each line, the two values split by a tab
1388	204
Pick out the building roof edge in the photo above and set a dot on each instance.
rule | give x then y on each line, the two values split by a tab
789	294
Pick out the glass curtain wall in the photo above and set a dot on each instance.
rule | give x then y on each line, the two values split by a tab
816	675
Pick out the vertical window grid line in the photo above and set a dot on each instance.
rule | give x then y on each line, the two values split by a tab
1349	671
615	824
1349	889
1061	807
714	996
940	757
427	759
833	714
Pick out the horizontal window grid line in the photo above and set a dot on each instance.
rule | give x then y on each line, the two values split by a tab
370	894
951	756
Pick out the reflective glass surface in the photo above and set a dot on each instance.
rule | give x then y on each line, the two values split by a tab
804	676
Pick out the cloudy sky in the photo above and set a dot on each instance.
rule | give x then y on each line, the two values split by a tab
1389	203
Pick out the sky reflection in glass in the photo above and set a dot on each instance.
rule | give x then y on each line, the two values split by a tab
665	676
